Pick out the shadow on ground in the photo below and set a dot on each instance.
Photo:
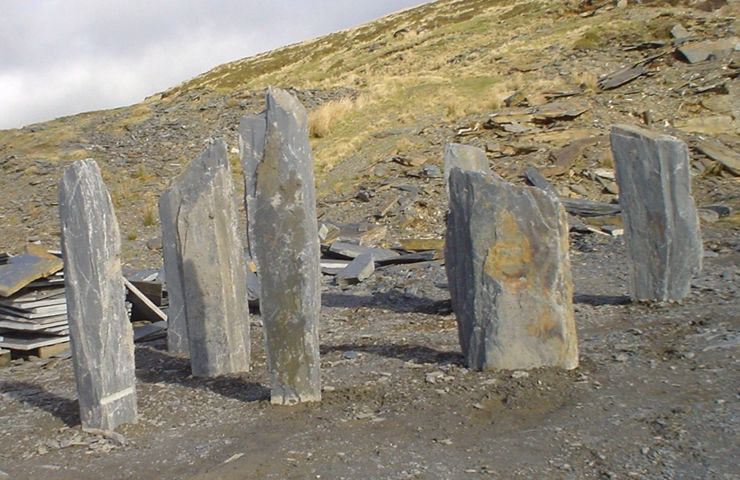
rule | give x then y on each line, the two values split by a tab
165	368
65	409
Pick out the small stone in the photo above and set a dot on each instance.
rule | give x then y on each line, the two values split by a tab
350	355
519	374
357	271
621	357
432	377
154	243
708	216
679	32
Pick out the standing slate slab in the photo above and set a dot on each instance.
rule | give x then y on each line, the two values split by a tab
661	224
286	247
100	331
252	130
177	327
506	254
466	157
200	212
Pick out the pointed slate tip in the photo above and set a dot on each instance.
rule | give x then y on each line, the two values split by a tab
277	98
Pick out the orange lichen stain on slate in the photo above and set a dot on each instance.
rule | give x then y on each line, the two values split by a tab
544	326
509	259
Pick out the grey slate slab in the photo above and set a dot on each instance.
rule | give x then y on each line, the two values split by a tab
285	244
661	225
508	269
102	342
210	260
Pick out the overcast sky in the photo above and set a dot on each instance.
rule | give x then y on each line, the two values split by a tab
60	57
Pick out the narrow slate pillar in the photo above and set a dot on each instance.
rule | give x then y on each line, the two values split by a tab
177	327
286	246
506	254
466	157
200	210
100	331
661	224
252	130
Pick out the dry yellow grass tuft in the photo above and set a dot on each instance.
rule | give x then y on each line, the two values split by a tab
321	120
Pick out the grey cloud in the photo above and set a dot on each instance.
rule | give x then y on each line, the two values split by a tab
62	57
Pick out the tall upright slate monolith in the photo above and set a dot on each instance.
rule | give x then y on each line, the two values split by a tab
283	237
201	216
506	254
100	331
661	224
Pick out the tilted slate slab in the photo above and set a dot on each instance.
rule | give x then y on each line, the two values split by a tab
506	255
177	326
100	331
466	157
211	264
286	247
661	224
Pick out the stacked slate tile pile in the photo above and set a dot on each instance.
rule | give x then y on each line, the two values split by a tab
33	308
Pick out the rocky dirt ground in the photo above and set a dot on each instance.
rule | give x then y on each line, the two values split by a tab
655	396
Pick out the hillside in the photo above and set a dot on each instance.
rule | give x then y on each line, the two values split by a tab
398	88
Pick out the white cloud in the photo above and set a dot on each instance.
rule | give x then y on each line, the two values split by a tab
60	57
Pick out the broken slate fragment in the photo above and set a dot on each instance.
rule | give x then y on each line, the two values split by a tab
508	269
358	270
661	224
698	52
719	152
210	260
100	331
286	246
350	250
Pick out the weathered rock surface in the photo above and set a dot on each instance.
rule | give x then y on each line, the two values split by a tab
466	157
661	224
508	269
100	331
177	327
286	246
252	130
358	270
201	216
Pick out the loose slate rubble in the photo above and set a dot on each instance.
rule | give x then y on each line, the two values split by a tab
698	52
102	343
508	269
351	250
717	151
286	245
660	218
201	217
